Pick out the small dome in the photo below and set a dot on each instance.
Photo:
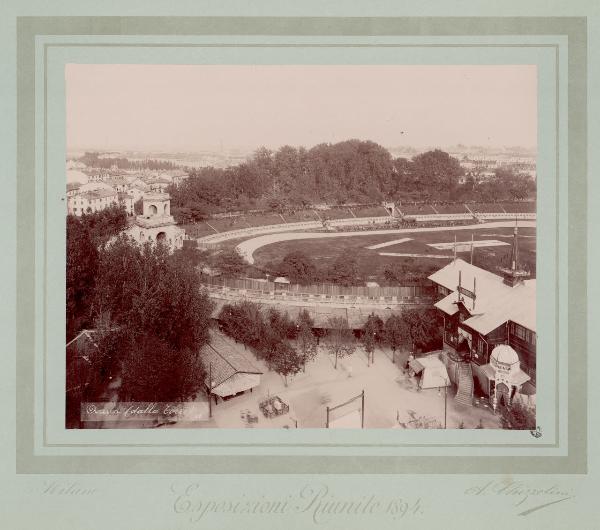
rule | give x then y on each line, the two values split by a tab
504	354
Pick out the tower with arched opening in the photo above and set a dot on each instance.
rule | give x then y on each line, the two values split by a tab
156	224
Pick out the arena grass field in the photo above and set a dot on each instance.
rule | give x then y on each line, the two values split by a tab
371	262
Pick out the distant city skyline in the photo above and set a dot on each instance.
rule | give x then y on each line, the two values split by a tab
190	108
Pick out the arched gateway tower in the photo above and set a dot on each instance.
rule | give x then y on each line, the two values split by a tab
156	222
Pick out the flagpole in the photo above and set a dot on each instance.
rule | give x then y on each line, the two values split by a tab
471	249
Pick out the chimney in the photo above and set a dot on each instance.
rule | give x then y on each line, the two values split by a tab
513	274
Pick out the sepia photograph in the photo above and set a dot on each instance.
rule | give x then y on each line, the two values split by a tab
301	246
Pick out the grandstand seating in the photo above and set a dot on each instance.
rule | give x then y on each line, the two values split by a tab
228	223
300	216
486	208
519	207
416	209
262	219
357	218
450	208
335	213
197	230
373	211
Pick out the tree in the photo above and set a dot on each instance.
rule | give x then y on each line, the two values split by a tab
154	370
287	361
82	267
396	333
243	322
105	224
517	417
344	270
298	267
85	235
305	320
339	338
435	171
424	327
230	263
281	324
138	207
306	340
372	333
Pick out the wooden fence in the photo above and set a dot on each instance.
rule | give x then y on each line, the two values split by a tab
425	289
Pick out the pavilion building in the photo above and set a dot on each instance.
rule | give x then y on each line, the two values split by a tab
489	329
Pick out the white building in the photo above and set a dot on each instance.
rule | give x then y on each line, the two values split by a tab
91	201
81	200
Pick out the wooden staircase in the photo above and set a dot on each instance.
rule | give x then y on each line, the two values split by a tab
464	394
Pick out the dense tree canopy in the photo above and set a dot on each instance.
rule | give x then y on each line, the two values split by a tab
161	316
85	235
95	160
352	171
229	263
298	268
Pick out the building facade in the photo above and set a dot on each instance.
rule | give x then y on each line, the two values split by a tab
489	329
156	224
79	203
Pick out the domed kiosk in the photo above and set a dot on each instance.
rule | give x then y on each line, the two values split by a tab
502	376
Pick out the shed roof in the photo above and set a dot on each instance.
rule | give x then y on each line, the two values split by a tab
225	358
495	302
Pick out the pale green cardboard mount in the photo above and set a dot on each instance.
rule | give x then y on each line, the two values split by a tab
30	139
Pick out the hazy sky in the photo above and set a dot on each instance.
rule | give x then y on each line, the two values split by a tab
171	107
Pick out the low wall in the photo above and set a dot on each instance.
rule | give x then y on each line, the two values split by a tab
206	241
426	289
257	230
495	215
231	293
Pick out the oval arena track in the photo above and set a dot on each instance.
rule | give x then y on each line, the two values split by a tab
248	247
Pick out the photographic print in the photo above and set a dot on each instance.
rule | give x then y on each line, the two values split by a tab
301	246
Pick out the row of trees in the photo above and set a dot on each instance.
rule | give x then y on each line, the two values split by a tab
344	270
300	268
414	329
270	335
94	160
352	171
287	345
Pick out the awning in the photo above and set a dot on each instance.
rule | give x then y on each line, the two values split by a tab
528	389
517	378
488	371
415	366
448	304
236	383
